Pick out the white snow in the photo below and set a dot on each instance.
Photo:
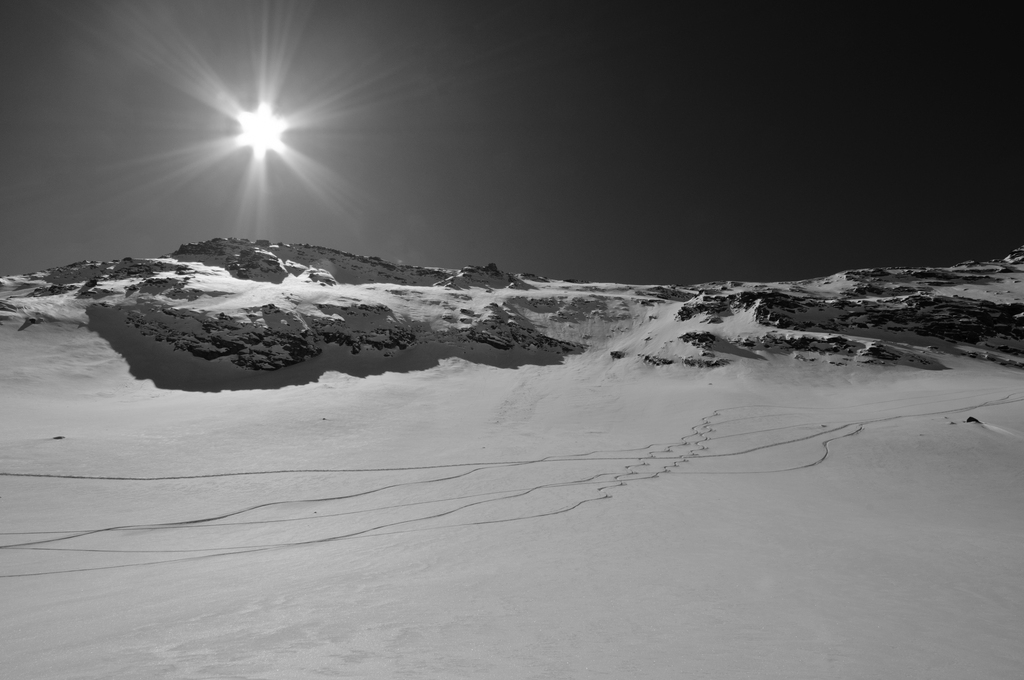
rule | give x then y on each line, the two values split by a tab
597	518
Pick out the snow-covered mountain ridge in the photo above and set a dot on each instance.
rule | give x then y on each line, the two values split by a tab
218	312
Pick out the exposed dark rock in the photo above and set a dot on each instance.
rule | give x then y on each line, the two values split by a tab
1015	257
695	362
673	293
833	344
342	267
701	340
879	352
705	304
55	289
951	318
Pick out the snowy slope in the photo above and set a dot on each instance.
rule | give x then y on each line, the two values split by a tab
476	474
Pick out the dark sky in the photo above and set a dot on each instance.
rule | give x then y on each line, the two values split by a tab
634	142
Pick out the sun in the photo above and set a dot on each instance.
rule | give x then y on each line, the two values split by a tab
261	130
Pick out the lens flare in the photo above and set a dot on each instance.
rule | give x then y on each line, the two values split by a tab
239	82
261	130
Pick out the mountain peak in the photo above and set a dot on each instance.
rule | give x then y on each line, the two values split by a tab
1016	256
262	260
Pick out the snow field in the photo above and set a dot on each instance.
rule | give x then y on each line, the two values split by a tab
594	519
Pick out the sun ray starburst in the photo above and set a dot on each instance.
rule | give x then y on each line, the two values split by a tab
261	130
249	146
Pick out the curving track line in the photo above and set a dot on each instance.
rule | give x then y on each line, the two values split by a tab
701	436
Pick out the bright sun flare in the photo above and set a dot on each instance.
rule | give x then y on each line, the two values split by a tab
261	130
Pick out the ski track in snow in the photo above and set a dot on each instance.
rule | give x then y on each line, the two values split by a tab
707	440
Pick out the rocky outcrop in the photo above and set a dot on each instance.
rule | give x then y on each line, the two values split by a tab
489	277
1015	257
270	337
952	318
699	339
254	345
503	328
